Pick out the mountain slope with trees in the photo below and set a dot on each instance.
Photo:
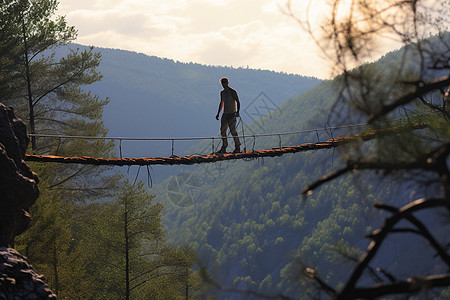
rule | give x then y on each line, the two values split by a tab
255	231
156	97
150	96
249	220
72	239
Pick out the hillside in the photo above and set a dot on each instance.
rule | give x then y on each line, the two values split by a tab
251	226
247	220
155	97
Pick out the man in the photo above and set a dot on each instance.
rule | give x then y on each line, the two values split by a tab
228	101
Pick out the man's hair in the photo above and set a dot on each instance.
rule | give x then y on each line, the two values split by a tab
224	79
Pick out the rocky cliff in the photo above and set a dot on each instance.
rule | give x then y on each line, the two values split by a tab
18	191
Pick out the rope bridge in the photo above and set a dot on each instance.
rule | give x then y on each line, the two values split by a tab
214	157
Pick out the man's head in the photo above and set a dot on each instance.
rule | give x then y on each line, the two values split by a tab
224	82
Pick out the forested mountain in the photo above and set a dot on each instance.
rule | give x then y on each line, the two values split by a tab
155	97
93	235
251	226
248	220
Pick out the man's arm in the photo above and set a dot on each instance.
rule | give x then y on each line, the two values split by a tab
238	104
220	107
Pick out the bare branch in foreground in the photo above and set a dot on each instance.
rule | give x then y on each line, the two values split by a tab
378	237
410	285
418	92
311	273
324	179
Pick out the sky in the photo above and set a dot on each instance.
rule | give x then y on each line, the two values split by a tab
239	33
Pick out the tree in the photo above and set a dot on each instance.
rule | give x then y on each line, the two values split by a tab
30	27
47	242
46	89
44	80
131	256
9	50
71	238
411	89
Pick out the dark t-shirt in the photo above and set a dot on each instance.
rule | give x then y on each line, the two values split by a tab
229	100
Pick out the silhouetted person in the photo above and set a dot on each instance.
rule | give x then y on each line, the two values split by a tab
228	100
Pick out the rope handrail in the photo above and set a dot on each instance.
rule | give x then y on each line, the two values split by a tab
214	157
190	138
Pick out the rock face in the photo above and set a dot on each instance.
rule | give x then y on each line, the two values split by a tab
18	279
18	191
18	184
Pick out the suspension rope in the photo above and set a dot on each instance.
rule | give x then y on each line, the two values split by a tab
120	147
188	138
243	133
173	146
196	159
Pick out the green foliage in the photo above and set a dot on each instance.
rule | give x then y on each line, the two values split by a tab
9	48
117	248
47	242
260	220
264	222
155	97
78	240
49	93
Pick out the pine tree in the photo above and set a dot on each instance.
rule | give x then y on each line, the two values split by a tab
131	257
47	242
47	91
44	81
86	248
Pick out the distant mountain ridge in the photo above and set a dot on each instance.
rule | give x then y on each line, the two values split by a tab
156	97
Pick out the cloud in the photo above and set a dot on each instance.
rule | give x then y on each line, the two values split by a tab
250	33
90	22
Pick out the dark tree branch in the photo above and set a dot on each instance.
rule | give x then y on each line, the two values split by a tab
422	230
311	273
410	285
438	161
435	107
355	259
432	161
419	91
378	237
361	165
405	230
324	179
387	274
67	178
175	274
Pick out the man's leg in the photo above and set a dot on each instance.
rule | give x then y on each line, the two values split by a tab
223	133
232	124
